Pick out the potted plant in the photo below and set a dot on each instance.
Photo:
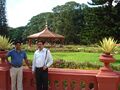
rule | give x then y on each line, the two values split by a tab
5	44
107	45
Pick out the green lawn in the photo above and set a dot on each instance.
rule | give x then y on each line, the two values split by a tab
77	57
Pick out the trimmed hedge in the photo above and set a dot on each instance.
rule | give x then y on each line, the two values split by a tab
82	65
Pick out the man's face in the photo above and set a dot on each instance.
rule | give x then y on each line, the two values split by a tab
40	45
18	46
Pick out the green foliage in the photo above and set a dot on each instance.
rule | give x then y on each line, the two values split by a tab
3	20
87	58
108	45
73	65
79	23
37	23
16	33
81	65
69	21
5	43
106	19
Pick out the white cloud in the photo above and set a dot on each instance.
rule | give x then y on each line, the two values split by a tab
19	12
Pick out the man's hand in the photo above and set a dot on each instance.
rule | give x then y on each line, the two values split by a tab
30	67
45	67
33	72
28	63
9	65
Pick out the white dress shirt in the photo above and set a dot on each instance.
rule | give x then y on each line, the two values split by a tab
41	59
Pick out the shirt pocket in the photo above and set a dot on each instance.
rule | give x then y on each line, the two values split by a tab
37	56
22	55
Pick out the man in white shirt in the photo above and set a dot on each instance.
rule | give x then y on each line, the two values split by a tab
42	60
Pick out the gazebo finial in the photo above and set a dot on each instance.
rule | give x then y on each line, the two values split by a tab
46	25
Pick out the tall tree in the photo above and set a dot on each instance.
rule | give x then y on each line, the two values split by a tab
69	21
16	33
117	22
37	23
89	32
105	14
3	20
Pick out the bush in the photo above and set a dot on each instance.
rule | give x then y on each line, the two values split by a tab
73	65
82	65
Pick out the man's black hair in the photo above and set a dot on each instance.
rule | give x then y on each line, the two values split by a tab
17	42
43	42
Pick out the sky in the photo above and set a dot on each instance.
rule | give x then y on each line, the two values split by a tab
19	12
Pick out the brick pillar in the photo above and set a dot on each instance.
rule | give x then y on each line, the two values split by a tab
107	78
3	61
28	80
4	75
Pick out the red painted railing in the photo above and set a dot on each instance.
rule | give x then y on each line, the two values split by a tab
69	79
65	79
59	79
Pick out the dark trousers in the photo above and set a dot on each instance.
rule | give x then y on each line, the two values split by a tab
41	78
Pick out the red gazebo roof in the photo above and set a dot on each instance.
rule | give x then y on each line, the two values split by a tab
46	33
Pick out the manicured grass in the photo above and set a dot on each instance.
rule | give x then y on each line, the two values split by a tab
78	57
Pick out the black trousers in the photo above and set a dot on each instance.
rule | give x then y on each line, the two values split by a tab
41	79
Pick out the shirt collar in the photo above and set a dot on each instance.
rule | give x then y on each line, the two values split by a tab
17	51
41	50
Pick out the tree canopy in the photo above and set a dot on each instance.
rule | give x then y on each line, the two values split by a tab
3	20
79	23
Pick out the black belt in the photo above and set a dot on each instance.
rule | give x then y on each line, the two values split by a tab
41	68
16	66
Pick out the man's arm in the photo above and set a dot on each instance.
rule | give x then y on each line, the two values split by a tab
33	64
6	58
27	61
